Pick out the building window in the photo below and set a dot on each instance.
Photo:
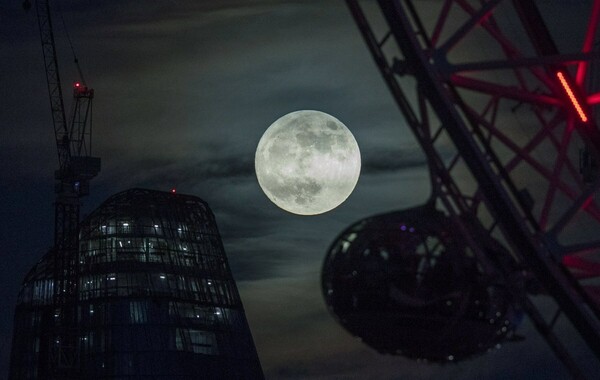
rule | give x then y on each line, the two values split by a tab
138	312
196	341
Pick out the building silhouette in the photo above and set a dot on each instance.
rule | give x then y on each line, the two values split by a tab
155	299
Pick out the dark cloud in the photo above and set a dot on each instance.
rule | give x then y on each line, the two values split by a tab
389	161
188	172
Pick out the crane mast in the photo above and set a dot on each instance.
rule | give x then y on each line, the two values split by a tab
76	168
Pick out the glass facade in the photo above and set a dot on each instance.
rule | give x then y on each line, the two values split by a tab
156	298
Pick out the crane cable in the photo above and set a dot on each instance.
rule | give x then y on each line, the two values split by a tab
75	59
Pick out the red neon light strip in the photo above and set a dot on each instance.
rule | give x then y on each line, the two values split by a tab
572	97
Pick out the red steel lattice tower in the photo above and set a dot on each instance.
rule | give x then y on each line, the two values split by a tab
508	122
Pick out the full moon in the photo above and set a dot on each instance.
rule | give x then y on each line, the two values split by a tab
307	162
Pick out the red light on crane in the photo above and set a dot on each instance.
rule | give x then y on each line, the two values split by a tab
173	191
77	84
572	97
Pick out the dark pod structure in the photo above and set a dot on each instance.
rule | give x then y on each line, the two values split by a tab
407	283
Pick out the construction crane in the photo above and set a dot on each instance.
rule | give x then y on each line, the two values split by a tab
76	168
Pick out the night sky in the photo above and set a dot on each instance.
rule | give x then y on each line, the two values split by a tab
184	91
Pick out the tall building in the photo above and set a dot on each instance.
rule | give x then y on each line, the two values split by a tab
155	298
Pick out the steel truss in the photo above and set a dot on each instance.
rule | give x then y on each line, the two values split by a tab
508	126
